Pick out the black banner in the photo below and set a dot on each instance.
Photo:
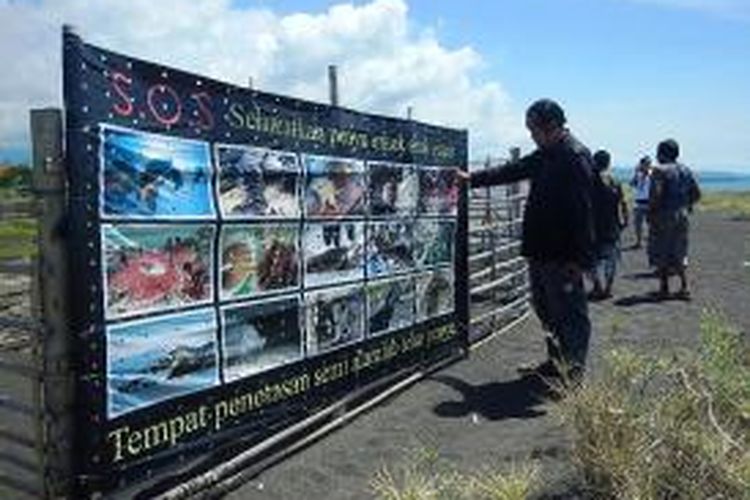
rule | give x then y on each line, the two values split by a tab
241	258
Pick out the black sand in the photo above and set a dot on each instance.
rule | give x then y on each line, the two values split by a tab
479	412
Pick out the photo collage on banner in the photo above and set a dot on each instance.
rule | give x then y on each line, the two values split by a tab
222	261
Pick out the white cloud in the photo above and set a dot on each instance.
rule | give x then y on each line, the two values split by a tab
385	64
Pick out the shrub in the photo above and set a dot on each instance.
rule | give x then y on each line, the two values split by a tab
653	427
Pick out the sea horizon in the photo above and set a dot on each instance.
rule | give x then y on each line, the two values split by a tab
708	180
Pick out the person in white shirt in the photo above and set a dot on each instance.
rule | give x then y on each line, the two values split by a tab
641	183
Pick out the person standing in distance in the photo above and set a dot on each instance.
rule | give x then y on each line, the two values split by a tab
641	184
610	218
674	191
557	235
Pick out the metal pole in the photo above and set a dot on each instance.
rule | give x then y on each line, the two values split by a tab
333	86
53	353
409	112
250	83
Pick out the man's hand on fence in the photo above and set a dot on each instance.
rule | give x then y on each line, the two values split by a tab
462	175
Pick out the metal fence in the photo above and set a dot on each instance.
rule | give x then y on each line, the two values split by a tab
498	273
35	382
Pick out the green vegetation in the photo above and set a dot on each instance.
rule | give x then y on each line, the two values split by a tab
425	476
655	427
17	238
734	203
15	182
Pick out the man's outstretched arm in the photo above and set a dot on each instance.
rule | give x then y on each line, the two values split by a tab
510	172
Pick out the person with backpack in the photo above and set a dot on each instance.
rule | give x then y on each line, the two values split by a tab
673	193
610	218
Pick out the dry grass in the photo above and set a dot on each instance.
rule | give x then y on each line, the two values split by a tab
733	203
667	427
425	476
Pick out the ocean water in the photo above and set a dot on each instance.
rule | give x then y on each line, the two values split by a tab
708	180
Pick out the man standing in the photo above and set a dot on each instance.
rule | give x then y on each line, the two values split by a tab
610	218
557	234
674	191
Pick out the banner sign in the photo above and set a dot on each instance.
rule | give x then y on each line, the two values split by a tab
240	258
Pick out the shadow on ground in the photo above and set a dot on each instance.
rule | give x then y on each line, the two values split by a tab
646	298
519	398
640	276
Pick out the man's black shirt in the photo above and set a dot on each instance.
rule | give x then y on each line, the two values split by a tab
558	222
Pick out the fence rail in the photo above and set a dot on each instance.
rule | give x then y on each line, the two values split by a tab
29	372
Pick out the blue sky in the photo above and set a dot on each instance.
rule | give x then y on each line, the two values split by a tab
628	72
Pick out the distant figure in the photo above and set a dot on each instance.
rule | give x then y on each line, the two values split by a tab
610	218
558	234
674	190
641	183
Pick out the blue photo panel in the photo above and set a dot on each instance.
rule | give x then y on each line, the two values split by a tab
152	176
156	359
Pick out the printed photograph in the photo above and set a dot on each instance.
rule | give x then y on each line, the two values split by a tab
156	267
258	258
433	242
258	182
393	189
390	305
335	187
150	361
335	317
438	191
389	247
153	176
334	252
261	335
434	294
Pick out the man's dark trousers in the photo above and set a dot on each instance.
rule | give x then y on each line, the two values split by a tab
559	301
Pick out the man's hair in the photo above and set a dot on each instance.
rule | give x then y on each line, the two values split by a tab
601	160
668	150
546	113
644	161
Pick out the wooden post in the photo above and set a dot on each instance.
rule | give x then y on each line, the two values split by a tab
514	190
250	83
333	86
409	112
55	398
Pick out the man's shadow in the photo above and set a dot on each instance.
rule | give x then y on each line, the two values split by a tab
646	298
519	398
645	275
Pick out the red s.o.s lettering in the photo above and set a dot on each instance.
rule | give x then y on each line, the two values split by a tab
163	94
121	84
205	119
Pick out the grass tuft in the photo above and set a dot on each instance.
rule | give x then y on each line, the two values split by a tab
425	476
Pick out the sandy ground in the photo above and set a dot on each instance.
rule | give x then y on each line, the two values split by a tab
479	412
